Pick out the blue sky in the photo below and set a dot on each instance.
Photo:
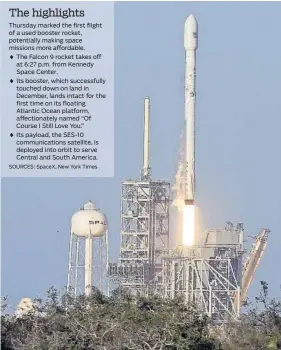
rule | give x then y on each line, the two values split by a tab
237	137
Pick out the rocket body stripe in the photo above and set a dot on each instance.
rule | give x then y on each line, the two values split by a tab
190	43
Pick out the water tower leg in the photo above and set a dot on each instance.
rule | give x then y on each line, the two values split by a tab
73	265
100	257
76	264
88	265
68	286
106	262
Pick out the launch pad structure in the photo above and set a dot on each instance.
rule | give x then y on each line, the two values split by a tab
211	275
211	272
208	275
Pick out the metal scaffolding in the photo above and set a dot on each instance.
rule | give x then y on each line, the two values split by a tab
208	275
252	261
144	235
208	283
77	266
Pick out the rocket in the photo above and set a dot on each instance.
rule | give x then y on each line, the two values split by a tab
190	45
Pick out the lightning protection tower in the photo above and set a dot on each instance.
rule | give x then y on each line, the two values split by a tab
88	252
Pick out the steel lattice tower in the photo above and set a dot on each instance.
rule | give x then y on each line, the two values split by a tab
144	234
144	237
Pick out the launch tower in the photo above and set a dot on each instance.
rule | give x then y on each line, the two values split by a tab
144	227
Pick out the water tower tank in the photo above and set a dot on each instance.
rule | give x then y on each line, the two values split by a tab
89	221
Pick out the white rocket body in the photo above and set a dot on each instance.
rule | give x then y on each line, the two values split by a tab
190	45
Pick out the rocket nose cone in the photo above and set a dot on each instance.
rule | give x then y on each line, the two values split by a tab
190	33
191	19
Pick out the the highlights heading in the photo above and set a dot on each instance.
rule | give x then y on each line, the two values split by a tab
16	12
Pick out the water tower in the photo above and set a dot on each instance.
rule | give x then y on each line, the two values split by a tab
88	252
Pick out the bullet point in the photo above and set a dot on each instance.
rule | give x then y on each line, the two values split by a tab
11	135
11	80
11	56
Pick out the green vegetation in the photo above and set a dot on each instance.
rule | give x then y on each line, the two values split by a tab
121	323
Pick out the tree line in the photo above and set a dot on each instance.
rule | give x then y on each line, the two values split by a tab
121	322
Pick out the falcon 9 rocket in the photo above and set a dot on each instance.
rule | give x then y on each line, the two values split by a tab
190	45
